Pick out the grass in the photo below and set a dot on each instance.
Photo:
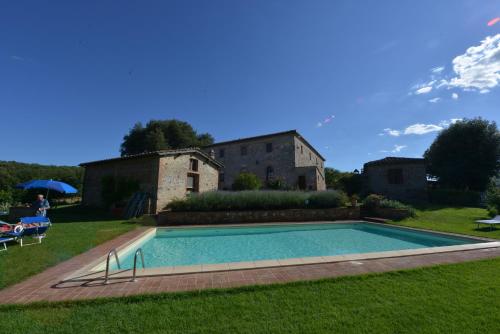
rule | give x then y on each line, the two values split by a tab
459	298
74	231
449	219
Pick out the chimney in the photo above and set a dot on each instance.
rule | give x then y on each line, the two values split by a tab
212	154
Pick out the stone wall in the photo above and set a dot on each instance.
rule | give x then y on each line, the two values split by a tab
386	213
413	188
257	159
311	165
144	170
164	178
258	216
172	177
288	153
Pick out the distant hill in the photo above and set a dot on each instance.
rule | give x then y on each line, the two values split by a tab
12	173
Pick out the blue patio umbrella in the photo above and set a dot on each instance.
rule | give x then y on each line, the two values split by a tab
49	185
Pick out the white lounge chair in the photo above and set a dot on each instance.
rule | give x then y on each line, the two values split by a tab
490	222
4	241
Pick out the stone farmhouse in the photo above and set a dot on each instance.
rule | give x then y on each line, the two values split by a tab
164	175
403	179
284	155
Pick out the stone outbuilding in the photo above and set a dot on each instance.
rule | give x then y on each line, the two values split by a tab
285	156
403	179
163	175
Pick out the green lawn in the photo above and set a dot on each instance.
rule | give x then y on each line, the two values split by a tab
460	298
455	220
74	231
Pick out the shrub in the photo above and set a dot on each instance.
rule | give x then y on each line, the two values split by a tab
371	202
257	200
493	196
391	204
327	199
277	184
247	181
454	197
492	212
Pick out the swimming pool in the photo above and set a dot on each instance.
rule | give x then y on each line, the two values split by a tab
170	247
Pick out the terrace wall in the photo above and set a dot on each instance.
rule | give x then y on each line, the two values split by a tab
257	216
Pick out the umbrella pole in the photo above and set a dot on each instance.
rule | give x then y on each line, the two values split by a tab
47	196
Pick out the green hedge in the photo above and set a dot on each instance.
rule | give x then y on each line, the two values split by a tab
374	201
258	200
454	197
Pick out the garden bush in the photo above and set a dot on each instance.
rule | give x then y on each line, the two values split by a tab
247	181
493	199
371	202
327	199
257	200
374	201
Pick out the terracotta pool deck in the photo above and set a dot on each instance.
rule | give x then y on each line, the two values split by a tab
47	285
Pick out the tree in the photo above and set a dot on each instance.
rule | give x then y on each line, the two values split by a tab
161	135
247	181
465	155
349	182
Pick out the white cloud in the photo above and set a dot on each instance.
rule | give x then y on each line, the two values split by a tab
437	70
423	90
396	149
451	121
16	58
454	96
391	132
479	67
435	100
422	129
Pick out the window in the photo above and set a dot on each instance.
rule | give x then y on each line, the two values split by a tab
301	149
192	183
193	165
244	150
221	153
221	177
310	156
269	147
395	176
269	173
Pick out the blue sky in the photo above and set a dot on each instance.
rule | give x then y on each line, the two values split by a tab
74	77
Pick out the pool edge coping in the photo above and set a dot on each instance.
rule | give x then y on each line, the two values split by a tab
93	272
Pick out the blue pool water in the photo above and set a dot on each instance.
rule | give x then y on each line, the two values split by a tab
173	247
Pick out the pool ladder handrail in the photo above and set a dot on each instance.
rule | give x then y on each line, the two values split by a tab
138	251
111	252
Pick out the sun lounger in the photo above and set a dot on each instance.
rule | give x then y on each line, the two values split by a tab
34	227
491	222
4	240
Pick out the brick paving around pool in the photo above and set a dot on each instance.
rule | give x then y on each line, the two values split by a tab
47	285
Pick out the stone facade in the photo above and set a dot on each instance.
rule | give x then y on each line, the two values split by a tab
285	155
164	175
403	179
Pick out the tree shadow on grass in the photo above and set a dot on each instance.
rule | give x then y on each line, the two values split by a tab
77	213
